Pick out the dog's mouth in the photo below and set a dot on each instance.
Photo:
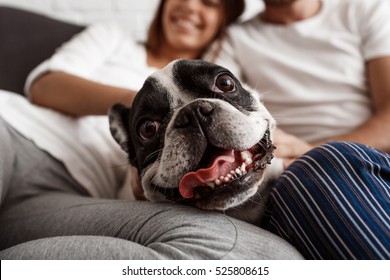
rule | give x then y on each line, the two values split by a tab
223	169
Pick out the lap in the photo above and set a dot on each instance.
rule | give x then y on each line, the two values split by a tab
158	230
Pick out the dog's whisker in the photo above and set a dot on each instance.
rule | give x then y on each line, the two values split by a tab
152	155
120	165
256	201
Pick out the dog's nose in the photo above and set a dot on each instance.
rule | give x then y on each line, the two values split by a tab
195	114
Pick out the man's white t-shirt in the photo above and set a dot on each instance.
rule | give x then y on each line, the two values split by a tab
104	53
312	73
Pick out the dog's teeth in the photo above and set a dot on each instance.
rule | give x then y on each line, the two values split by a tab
245	155
233	174
211	185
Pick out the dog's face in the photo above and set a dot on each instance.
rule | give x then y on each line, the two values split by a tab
196	135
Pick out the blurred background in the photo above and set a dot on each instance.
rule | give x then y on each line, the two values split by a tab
134	14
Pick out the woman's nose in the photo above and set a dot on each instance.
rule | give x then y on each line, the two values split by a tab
191	5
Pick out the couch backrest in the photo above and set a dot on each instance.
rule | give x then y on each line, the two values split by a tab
26	39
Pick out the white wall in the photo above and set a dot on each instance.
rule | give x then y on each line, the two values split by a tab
134	14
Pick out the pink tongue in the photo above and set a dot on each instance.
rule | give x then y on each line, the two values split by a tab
220	167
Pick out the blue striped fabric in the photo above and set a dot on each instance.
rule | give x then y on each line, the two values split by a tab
334	203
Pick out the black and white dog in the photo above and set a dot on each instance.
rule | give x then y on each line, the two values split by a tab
197	136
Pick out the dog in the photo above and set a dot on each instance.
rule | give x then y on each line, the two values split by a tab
198	136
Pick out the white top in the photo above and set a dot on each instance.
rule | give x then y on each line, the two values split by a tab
104	53
312	73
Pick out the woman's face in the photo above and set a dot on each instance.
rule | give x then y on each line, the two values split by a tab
191	24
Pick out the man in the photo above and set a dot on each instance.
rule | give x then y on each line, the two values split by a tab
322	68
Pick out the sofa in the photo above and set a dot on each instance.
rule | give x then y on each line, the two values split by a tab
153	230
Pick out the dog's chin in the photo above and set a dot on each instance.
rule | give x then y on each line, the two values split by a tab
227	191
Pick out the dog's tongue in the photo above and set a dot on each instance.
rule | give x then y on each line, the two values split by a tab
221	165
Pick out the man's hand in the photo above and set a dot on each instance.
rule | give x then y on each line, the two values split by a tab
289	147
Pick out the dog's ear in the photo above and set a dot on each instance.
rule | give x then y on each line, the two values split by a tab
119	127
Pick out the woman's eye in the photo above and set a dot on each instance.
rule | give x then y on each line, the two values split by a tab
148	129
212	3
225	83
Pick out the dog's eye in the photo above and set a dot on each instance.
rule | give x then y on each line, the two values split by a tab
148	129
225	83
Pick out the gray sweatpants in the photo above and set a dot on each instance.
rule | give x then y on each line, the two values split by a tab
45	214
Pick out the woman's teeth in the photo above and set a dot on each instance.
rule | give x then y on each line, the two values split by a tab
187	24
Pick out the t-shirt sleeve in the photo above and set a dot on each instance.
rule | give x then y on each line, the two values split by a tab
374	26
83	54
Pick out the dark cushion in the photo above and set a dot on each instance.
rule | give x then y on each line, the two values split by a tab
26	39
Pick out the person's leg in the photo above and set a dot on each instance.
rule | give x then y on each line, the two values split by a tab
7	157
44	202
334	203
134	229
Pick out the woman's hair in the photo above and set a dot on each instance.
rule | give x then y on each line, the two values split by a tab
231	10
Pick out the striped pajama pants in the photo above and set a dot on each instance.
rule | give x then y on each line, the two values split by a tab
334	203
